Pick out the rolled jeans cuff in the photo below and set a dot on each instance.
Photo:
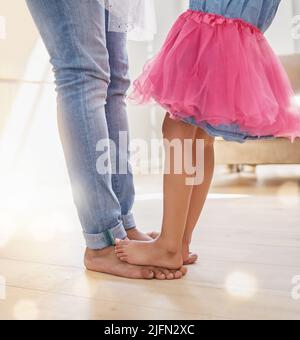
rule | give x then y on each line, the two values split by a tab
128	221
105	239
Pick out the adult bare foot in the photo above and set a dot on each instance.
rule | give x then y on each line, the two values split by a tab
153	253
153	234
105	261
136	235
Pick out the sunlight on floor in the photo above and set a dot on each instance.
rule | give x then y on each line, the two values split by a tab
26	310
2	288
241	285
289	193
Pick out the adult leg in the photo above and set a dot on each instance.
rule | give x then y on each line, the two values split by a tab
117	121
74	33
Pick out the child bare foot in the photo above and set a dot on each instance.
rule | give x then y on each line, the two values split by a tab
153	253
189	258
136	235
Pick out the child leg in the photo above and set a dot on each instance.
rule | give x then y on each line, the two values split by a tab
199	194
166	250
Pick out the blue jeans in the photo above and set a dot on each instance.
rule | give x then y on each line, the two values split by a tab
91	72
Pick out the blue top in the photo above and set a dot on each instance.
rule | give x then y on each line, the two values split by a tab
259	13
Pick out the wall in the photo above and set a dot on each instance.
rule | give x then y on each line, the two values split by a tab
279	34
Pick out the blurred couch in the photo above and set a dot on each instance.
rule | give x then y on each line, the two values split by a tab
278	151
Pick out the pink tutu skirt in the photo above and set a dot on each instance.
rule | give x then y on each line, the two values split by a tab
220	72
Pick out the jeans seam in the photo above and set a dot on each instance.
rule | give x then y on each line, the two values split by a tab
116	187
86	123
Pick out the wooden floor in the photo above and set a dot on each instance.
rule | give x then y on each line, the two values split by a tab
248	241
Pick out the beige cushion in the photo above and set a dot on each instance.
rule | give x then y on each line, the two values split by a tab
279	151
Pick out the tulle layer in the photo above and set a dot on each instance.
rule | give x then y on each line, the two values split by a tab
221	71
